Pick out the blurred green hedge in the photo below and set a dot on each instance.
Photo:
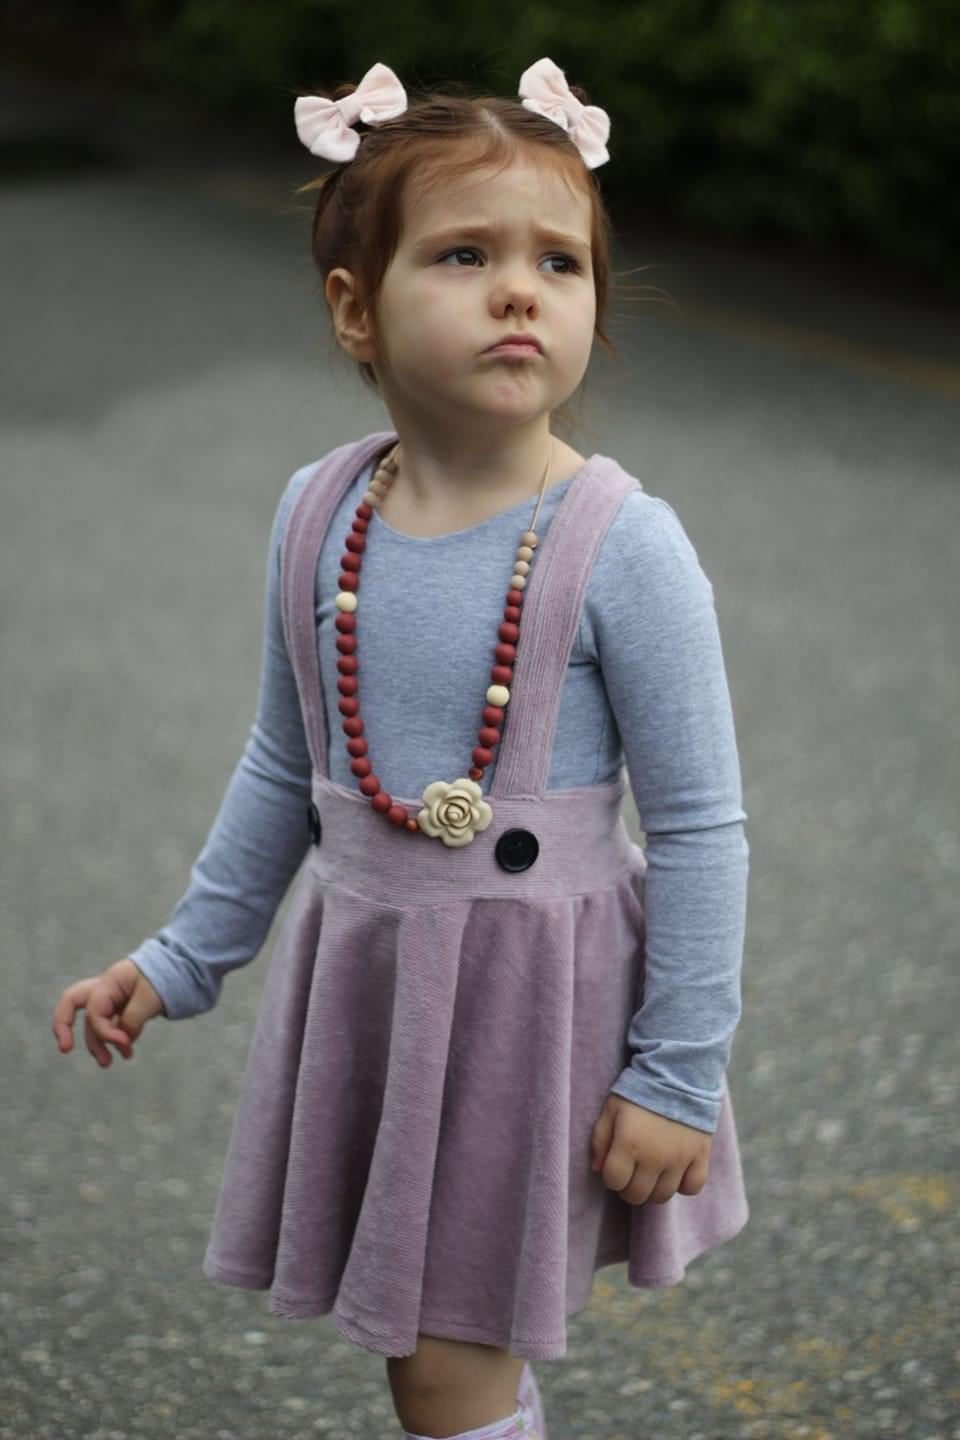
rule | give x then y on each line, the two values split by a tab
832	122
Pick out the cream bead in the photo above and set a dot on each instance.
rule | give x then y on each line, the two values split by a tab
370	497
517	582
346	600
522	567
524	552
497	695
529	537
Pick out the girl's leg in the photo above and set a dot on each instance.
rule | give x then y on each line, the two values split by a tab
450	1386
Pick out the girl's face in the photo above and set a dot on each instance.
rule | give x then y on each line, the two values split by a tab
450	293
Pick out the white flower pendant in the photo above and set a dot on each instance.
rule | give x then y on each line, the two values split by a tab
455	811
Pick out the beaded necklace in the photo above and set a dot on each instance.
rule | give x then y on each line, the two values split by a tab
453	811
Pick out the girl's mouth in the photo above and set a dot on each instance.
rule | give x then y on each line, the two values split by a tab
512	348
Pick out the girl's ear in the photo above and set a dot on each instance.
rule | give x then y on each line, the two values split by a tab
350	323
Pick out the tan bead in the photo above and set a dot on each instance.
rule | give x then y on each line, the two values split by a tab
371	497
529	537
522	567
346	600
524	552
517	582
497	695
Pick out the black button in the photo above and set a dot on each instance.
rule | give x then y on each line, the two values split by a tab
516	850
313	823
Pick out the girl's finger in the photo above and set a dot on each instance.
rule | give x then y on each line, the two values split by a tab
63	1034
94	1044
102	1009
110	1034
64	1012
116	1035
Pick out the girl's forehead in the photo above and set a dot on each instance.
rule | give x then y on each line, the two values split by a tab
517	195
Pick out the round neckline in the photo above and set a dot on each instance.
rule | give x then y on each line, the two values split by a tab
560	487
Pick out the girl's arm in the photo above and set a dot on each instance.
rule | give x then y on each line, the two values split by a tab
258	839
650	618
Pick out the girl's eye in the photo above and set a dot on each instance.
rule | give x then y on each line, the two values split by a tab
574	265
458	253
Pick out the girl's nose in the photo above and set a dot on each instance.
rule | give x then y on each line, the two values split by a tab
518	294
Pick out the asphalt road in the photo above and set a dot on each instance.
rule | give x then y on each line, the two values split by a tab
163	339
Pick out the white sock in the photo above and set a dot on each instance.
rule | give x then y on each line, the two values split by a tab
518	1426
529	1395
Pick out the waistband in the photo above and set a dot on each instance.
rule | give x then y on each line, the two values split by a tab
581	844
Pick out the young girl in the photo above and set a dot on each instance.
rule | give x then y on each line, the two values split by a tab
491	1047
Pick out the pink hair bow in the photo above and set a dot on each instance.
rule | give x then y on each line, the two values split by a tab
325	126
546	92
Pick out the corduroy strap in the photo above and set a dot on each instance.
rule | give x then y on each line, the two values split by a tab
307	525
552	602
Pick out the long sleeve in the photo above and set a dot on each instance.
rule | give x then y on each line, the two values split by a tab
652	622
258	839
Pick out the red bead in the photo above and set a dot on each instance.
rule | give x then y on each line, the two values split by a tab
359	527
346	644
353	726
357	746
475	772
482	756
509	632
345	622
349	705
347	581
347	664
493	714
350	562
506	654
348	684
397	815
364	511
502	674
514	597
356	543
382	801
488	735
511	612
369	785
360	766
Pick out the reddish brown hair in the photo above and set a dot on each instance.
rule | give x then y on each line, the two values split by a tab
438	138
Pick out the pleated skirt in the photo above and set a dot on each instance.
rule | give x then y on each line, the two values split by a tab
436	1038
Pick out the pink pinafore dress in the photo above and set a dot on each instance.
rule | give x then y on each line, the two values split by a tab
439	1027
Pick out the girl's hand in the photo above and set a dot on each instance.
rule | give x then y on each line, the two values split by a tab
118	1004
645	1156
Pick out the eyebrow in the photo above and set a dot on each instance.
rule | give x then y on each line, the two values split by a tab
486	232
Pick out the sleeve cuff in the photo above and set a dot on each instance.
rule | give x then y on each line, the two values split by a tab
697	1110
184	989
